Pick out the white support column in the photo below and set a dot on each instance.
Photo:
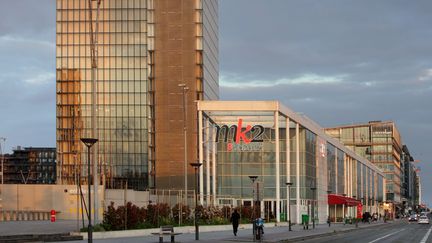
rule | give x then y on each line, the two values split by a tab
343	211
336	171
298	173
288	162
207	163
262	209
201	155
345	175
349	176
276	124
214	165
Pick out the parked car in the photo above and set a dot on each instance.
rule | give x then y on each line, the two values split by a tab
423	220
413	217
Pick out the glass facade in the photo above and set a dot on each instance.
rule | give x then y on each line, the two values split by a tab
121	87
331	160
144	50
236	163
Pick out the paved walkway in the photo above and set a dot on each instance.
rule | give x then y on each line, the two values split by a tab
272	233
37	227
277	234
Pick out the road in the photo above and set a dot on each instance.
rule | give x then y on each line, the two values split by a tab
399	232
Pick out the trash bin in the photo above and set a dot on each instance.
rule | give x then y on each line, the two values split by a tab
283	217
305	219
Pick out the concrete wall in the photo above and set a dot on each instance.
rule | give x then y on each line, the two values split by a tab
62	198
138	198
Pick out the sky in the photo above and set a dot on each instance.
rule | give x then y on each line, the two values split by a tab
336	61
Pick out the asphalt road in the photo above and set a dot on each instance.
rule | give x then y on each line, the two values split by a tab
399	232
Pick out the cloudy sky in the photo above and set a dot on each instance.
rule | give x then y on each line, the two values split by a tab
338	62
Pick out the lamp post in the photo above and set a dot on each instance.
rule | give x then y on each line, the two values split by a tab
355	213
253	179
89	142
313	206
328	208
184	89
289	184
196	166
343	208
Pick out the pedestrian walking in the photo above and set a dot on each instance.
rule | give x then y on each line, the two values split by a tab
235	218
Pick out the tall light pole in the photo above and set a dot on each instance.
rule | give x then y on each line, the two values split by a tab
89	142
328	209
196	166
93	31
253	179
313	188
184	90
289	184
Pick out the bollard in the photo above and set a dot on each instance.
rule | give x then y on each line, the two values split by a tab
53	215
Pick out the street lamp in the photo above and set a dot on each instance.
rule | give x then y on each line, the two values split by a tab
328	208
89	142
253	179
313	206
355	213
343	208
196	166
289	184
184	90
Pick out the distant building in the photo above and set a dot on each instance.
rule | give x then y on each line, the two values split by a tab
30	166
381	143
409	190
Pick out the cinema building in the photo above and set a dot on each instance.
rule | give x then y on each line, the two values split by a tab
240	139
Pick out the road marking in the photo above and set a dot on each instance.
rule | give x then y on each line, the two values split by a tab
385	236
426	236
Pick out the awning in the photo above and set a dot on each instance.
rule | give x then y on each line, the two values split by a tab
334	199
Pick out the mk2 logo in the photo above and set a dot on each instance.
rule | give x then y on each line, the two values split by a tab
236	133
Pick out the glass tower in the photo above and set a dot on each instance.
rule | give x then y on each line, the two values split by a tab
132	82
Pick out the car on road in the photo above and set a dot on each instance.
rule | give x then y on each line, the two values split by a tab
423	220
413	217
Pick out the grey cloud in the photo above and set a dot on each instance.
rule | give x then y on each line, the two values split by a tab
28	18
275	39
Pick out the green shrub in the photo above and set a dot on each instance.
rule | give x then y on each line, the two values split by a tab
186	213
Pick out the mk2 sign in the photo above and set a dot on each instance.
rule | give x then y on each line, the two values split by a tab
239	138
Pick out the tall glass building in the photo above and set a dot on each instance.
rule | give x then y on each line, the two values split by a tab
145	49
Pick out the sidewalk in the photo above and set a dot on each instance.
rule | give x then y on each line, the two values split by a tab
210	234
37	227
222	233
281	233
